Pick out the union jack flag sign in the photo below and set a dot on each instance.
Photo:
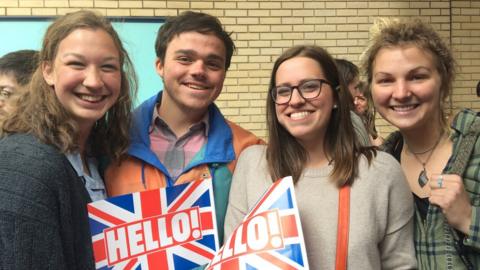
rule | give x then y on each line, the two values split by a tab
270	236
169	228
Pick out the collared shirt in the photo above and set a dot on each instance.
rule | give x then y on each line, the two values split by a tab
176	153
93	182
437	245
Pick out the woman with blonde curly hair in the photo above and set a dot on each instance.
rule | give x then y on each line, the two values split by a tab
411	71
76	110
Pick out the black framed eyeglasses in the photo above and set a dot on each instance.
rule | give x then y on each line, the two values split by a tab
308	90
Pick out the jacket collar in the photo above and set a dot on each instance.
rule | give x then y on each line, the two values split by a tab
463	121
219	148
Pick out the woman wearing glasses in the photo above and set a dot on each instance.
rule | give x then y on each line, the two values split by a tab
311	138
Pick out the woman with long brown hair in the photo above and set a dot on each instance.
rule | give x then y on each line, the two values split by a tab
76	109
311	138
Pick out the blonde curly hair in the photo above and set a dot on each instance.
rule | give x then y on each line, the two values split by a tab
388	33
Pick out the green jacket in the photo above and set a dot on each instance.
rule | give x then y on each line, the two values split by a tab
437	244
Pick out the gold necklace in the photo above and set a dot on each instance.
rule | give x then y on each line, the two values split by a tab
422	177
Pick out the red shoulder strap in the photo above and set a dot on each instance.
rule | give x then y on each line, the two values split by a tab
343	228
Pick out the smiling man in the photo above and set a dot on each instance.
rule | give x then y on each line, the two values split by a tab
179	135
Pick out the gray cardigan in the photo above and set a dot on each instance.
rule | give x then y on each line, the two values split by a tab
43	215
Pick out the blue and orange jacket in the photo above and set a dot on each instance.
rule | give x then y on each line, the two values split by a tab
216	159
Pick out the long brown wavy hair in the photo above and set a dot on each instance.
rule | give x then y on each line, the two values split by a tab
286	156
39	112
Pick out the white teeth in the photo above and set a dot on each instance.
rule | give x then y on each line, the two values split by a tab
403	108
90	98
197	87
299	115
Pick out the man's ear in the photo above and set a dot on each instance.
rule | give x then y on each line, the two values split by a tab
47	71
159	67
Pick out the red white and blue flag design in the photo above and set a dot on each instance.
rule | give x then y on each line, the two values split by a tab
169	228
270	236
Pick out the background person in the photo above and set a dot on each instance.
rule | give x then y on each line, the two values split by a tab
76	109
16	69
411	71
349	76
362	99
311	138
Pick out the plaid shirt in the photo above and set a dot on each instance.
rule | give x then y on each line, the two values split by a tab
176	153
436	243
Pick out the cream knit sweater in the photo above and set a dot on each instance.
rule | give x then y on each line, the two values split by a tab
381	214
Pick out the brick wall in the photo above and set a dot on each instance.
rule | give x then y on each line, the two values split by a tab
263	29
466	43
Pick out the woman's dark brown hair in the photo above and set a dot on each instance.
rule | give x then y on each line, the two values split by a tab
286	156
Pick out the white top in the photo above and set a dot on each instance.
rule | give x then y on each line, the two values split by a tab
93	182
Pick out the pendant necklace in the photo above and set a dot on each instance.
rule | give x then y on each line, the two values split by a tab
422	177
